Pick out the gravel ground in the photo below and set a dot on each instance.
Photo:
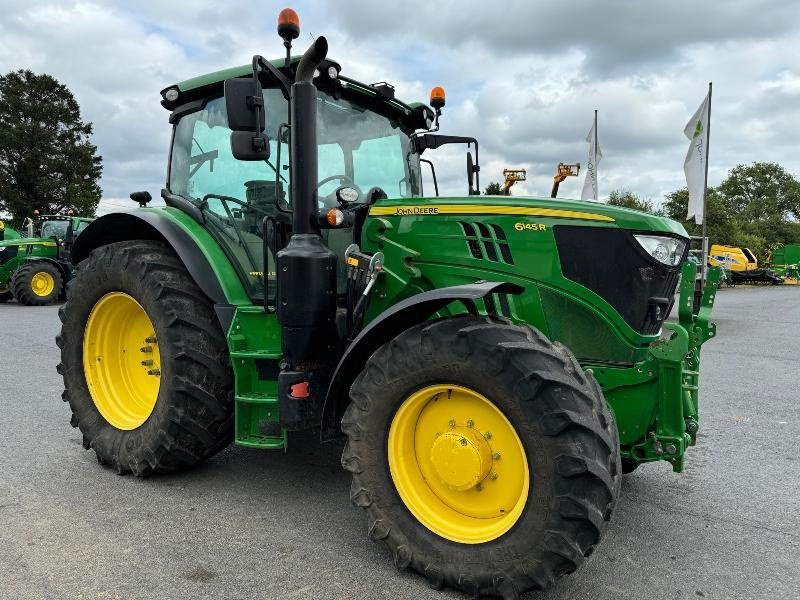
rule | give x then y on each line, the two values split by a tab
250	524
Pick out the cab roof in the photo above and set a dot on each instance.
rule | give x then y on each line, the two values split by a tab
377	93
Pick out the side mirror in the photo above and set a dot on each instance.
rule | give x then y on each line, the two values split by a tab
244	105
472	171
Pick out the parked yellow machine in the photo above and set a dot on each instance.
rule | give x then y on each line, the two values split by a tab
742	265
732	258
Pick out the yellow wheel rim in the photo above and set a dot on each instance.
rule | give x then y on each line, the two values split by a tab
121	361
43	284
458	464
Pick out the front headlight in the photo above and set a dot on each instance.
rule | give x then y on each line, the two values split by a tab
666	250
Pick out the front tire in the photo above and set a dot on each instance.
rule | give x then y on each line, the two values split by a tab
37	283
145	364
570	455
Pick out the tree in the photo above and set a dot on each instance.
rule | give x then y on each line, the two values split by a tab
493	189
755	207
47	161
761	191
628	199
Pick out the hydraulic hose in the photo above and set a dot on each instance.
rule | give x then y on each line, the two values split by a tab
311	59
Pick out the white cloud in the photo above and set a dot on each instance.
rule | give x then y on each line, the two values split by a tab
522	77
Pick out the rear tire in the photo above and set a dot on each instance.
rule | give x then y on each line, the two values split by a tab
27	289
192	417
556	409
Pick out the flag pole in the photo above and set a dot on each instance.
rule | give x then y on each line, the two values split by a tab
704	266
596	144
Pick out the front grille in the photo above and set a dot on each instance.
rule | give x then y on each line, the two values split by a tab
487	242
611	263
582	330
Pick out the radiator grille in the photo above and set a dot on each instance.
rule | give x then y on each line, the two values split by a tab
583	331
611	263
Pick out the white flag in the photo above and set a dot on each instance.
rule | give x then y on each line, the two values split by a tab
590	183
695	164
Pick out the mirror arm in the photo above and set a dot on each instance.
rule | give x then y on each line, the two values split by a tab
433	173
422	142
283	82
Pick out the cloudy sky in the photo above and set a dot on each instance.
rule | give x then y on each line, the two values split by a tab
521	76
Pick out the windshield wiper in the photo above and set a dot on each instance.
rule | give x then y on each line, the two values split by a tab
197	161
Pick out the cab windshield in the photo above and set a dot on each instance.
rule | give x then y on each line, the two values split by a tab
57	229
356	146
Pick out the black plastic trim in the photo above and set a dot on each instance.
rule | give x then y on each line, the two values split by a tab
387	325
187	109
183	205
225	313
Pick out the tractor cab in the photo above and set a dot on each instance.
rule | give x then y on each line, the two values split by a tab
369	146
364	146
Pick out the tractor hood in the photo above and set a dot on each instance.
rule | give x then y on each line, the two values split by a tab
528	206
28	241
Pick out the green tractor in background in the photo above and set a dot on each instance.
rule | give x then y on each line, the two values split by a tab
495	363
7	233
35	269
785	261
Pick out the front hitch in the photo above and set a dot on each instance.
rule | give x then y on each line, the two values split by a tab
677	361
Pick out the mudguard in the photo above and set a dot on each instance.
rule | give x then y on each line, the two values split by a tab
390	323
151	225
63	269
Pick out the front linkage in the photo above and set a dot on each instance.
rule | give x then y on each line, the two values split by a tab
671	374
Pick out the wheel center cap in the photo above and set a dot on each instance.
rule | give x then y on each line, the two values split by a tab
461	458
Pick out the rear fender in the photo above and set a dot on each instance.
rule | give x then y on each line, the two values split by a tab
389	324
190	241
62	268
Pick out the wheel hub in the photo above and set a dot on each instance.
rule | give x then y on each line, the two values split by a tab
42	284
458	464
461	458
121	361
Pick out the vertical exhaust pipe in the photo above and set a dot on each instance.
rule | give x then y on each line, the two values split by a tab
306	267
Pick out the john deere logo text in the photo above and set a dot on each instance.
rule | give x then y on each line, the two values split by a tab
530	226
416	210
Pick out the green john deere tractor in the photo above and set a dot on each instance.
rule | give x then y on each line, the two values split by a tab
7	233
35	269
495	363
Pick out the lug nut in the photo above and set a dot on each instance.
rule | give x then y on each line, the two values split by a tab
488	435
496	456
151	340
147	363
463	441
671	449
452	422
154	372
145	349
470	422
493	476
479	487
